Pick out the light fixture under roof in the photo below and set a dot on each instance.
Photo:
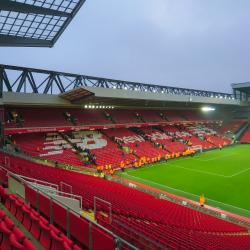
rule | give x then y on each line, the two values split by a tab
126	88
208	109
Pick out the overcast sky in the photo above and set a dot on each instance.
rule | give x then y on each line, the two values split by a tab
182	43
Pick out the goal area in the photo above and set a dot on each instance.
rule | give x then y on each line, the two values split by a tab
196	148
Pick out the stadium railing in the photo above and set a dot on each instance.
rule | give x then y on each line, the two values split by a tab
117	240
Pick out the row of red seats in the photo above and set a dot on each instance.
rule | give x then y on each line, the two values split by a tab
11	237
48	148
49	236
130	139
191	115
171	237
51	117
127	200
166	140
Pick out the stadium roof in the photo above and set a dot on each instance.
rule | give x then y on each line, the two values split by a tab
242	91
35	23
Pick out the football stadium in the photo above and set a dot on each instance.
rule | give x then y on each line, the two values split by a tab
92	163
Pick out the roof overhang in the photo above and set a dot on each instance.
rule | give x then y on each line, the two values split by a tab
242	87
37	23
131	98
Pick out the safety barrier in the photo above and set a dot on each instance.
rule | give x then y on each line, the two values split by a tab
74	222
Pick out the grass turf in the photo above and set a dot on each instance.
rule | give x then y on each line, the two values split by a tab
223	176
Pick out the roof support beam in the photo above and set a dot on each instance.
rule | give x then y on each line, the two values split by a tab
28	8
17	41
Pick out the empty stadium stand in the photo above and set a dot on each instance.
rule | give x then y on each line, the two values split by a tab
138	218
89	116
42	117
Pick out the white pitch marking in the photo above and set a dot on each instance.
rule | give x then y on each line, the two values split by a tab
189	193
216	157
239	172
198	171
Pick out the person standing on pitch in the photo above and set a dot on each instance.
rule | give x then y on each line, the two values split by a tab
202	200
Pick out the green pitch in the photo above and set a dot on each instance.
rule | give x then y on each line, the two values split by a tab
223	176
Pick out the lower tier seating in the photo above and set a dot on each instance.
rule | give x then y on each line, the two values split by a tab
125	200
11	237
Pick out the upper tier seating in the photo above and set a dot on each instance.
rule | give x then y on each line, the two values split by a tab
89	116
42	117
7	122
129	201
207	115
130	139
190	115
172	115
123	116
150	116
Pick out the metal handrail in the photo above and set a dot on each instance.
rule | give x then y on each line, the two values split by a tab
66	185
110	210
118	239
50	184
6	157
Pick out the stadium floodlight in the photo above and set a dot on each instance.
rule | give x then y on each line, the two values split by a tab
97	107
135	89
233	98
112	107
220	96
146	90
86	106
109	107
216	96
114	87
154	90
93	107
126	88
207	109
162	91
89	106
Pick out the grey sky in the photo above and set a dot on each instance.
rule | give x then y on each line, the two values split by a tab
183	43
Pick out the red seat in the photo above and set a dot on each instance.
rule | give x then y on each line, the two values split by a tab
13	198
67	247
45	237
35	228
19	212
26	216
28	245
57	241
17	237
14	242
7	199
6	236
